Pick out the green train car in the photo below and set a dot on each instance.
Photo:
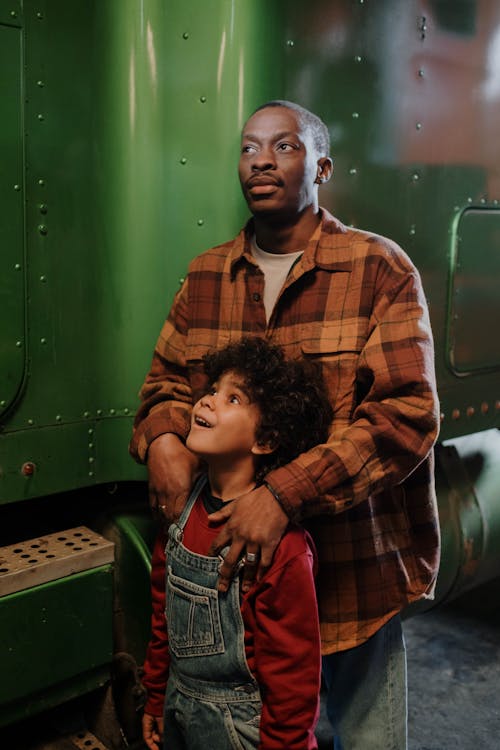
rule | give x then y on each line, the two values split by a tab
118	152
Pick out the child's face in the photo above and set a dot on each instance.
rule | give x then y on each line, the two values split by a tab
224	421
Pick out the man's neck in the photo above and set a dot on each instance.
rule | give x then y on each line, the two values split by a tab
284	237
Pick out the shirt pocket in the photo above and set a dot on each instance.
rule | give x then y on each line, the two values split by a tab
336	346
193	618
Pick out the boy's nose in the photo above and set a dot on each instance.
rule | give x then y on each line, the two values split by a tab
207	400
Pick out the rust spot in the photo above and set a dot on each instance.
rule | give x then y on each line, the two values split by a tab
455	414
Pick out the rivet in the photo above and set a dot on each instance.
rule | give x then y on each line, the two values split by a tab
497	405
39	15
470	411
86	414
455	414
17	187
13	14
126	411
357	58
17	267
42	228
441	417
19	344
485	408
43	340
31	422
91	431
182	280
185	35
469	200
355	115
91	459
183	160
421	73
456	208
43	208
99	412
40	84
112	411
41	183
418	125
483	201
40	117
3	402
28	468
203	99
290	43
43	279
415	177
201	222
91	445
412	229
353	170
58	417
91	473
495	202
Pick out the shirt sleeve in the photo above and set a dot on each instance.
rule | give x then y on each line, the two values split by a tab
394	422
166	397
284	621
157	662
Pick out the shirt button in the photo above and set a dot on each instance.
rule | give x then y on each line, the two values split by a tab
256	297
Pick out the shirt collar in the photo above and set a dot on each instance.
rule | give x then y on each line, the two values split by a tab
319	251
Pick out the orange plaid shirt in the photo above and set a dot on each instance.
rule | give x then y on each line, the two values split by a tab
353	302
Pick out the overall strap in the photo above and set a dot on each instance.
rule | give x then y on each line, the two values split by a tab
197	488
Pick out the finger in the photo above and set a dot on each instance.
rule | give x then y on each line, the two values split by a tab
153	499
266	558
229	566
251	564
221	515
223	539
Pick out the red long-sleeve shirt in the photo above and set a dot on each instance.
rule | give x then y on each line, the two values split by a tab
282	641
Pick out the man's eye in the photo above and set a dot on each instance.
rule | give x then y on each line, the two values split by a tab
285	147
247	149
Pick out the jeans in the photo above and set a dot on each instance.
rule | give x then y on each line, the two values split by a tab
367	693
213	701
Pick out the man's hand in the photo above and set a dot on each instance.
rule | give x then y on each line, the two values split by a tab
256	523
172	469
152	731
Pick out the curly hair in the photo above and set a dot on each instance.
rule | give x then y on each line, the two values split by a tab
295	412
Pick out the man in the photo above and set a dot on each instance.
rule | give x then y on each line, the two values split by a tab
352	301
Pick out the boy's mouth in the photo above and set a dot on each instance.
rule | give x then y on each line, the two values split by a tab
201	422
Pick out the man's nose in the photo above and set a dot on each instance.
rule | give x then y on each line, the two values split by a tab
264	159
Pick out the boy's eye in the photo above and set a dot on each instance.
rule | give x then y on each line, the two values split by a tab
234	399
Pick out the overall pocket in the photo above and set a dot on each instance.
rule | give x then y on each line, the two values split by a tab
193	619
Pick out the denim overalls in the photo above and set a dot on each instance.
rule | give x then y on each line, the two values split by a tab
212	701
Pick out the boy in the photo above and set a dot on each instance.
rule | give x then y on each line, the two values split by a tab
236	661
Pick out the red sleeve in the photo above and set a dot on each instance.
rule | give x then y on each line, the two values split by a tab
157	660
283	616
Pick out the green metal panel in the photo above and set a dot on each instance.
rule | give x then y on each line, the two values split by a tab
12	265
56	639
408	92
131	154
474	294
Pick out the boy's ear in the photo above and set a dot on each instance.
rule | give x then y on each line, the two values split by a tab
261	449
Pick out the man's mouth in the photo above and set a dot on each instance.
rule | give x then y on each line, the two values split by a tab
262	184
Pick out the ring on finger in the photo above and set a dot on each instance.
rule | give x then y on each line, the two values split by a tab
251	557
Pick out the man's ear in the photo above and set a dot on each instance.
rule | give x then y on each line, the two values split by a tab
262	449
324	170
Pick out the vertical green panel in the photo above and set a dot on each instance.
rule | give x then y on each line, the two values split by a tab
12	344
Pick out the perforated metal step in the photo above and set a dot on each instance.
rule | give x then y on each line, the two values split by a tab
47	558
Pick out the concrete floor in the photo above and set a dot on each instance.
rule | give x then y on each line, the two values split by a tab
453	676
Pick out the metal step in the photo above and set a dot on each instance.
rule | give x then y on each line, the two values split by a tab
47	558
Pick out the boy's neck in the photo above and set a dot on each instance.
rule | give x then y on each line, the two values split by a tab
229	483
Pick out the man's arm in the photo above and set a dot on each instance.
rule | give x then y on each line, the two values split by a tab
163	419
392	430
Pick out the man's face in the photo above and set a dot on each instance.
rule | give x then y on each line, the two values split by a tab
278	167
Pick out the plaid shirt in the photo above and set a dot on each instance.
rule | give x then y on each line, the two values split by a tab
353	302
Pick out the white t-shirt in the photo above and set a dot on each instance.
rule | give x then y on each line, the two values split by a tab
275	267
